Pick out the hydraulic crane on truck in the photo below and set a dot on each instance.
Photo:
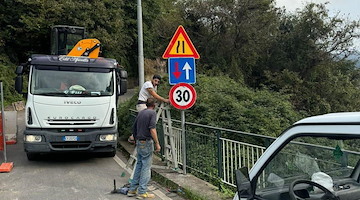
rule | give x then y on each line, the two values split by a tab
70	40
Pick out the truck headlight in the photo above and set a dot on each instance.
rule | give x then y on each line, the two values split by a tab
108	137
33	138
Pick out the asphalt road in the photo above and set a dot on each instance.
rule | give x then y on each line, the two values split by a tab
63	177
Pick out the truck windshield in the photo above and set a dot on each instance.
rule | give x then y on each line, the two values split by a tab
71	81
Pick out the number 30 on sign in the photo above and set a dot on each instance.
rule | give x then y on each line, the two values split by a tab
182	96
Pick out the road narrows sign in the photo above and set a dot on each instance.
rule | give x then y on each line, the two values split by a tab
182	96
180	46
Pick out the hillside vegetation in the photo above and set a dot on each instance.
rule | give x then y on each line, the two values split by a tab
260	70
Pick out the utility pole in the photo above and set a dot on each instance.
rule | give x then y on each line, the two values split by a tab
140	44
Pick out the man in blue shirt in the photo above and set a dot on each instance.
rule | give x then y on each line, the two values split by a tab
144	131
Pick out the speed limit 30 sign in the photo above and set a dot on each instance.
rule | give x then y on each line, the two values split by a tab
182	96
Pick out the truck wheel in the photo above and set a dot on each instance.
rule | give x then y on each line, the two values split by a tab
109	154
32	156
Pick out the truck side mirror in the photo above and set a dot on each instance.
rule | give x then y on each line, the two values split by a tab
19	84
243	183
123	81
19	70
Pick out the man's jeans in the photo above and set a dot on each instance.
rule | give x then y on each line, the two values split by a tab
142	172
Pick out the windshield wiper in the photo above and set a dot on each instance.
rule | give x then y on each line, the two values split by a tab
51	93
68	93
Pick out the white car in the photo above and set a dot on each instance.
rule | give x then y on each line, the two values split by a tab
317	158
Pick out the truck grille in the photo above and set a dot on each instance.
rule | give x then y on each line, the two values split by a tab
66	145
72	122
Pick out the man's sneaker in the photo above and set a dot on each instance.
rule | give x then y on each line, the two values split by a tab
145	196
131	193
131	140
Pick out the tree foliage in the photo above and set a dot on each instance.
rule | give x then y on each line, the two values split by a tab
7	76
223	102
231	35
27	29
309	61
260	50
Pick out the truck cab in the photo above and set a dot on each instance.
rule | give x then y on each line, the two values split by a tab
71	104
72	96
316	158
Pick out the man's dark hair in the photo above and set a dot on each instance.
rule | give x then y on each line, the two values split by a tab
157	76
150	102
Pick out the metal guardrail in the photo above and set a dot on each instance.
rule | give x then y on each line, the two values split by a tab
236	155
214	153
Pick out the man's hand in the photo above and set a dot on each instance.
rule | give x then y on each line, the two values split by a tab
157	147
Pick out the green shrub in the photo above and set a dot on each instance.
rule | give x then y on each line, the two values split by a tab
7	76
222	102
126	117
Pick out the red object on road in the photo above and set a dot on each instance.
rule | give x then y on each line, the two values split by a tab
10	142
6	167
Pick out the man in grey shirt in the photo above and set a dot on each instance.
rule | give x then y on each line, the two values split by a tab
144	131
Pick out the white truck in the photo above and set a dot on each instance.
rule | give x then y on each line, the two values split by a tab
317	158
71	102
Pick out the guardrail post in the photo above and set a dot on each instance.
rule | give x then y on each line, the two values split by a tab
219	153
183	140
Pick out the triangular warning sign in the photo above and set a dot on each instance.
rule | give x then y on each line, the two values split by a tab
180	46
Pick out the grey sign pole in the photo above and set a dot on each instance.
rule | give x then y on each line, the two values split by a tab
3	118
140	44
183	140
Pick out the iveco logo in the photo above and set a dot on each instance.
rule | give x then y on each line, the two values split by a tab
72	102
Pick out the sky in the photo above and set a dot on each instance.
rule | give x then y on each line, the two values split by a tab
345	8
348	8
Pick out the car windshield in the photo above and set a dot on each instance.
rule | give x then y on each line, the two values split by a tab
71	81
331	159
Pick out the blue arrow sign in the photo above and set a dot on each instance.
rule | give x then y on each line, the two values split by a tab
182	70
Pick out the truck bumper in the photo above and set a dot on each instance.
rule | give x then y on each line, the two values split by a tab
53	141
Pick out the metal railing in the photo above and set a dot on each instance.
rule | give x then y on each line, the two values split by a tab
214	153
236	155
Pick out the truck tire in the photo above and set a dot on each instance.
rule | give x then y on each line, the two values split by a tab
32	156
111	154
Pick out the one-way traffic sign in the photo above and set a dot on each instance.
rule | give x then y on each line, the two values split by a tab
182	70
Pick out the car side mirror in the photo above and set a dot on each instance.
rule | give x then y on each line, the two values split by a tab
243	183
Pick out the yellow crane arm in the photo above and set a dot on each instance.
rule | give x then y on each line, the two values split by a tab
86	47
